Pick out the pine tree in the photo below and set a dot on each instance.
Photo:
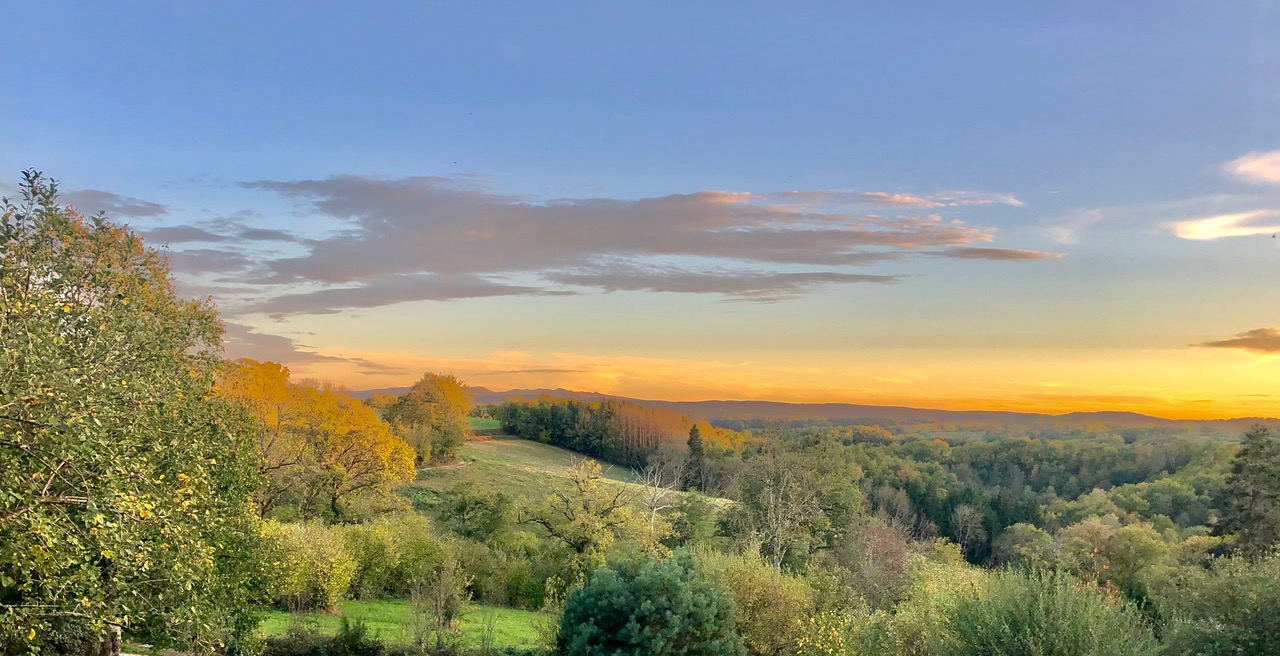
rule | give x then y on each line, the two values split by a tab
1251	511
694	478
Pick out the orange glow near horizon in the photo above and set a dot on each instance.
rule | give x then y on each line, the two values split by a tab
1178	384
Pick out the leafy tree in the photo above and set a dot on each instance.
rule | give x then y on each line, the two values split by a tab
433	416
585	515
126	484
649	608
1252	508
1231	608
768	604
318	447
1023	545
781	504
1036	614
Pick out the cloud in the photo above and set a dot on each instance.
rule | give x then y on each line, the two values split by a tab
1260	340
929	201
181	234
442	238
529	371
1258	168
739	285
1240	224
242	341
208	260
91	201
394	289
1007	254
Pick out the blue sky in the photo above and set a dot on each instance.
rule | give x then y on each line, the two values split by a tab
1068	137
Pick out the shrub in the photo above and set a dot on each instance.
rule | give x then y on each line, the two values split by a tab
393	553
352	639
317	569
769	605
1035	614
1233	608
651	608
917	624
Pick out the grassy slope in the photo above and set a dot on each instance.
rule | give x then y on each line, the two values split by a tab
391	621
484	424
521	469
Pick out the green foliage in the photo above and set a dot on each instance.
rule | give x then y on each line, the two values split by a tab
432	415
125	487
1252	508
352	639
694	522
317	568
769	605
648	607
1231	608
696	465
916	626
1042	615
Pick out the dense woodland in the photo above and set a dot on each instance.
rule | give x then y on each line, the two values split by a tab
154	493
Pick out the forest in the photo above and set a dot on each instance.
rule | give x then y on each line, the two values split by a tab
155	496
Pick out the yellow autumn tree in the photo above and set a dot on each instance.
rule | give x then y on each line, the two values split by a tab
432	416
319	448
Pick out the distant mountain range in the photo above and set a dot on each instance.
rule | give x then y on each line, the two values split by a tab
712	410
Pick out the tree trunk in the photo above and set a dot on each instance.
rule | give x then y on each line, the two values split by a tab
110	642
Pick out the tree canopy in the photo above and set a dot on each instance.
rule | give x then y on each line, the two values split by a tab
126	486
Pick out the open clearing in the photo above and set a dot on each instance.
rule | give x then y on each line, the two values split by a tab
520	469
392	621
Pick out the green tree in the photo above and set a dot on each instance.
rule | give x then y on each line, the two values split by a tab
650	608
1252	509
1036	614
433	416
696	464
586	515
125	493
1231	608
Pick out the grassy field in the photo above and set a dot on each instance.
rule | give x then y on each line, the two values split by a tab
484	424
391	621
521	469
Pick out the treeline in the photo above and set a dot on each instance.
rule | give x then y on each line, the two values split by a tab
618	431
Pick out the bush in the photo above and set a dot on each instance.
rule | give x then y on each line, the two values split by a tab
1034	614
317	570
916	624
352	639
769	606
393	553
651	608
1233	608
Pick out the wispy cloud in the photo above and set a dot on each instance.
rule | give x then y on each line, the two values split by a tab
1259	340
759	286
434	238
242	341
91	201
1240	224
1258	168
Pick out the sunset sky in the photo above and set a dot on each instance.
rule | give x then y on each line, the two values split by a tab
1036	206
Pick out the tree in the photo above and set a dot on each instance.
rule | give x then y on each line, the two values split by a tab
966	527
585	515
1252	509
126	484
318	447
649	608
433	416
696	464
781	504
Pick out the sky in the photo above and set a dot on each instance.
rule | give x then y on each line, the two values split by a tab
1045	207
